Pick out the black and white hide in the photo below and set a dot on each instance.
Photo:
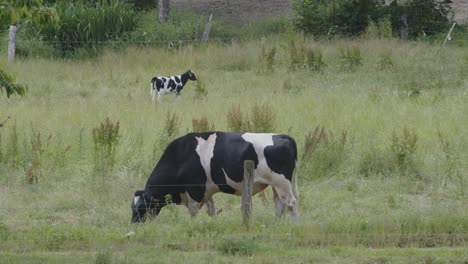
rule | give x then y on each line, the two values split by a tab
161	85
198	165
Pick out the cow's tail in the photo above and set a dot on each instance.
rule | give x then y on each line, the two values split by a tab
295	184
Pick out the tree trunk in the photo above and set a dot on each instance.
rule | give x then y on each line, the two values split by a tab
12	43
164	8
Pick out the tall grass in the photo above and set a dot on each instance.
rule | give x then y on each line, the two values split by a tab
347	203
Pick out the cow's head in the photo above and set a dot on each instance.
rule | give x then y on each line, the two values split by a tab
143	204
191	75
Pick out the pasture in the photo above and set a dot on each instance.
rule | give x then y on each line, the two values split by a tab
387	182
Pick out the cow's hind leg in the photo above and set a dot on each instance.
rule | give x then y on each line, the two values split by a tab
285	194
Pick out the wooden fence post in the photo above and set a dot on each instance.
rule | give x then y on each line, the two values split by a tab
206	32
247	192
12	43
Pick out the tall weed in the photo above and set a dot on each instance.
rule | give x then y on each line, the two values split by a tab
403	148
106	139
202	125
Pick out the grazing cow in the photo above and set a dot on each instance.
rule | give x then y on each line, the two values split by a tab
198	165
161	85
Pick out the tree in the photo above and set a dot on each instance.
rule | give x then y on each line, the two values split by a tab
8	85
13	12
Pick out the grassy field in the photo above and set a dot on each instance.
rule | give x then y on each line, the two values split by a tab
387	184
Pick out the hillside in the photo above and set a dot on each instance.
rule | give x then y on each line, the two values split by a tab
248	10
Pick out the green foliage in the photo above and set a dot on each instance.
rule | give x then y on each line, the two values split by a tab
8	85
324	18
237	246
350	58
88	26
15	11
428	16
106	139
381	28
352	17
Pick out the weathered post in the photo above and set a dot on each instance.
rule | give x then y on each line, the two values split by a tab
247	192
206	32
12	42
164	8
404	27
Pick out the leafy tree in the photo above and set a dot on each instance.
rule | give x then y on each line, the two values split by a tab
13	12
16	11
8	85
351	17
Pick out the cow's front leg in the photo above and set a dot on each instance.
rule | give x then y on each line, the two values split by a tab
279	207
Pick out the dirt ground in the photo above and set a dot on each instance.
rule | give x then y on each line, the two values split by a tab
248	10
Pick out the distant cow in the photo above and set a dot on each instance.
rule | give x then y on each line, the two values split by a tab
198	165
161	85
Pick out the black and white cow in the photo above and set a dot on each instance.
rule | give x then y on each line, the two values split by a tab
161	85
198	165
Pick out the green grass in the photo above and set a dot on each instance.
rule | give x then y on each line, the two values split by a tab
417	214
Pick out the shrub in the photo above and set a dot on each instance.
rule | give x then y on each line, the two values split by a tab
106	138
350	58
237	247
